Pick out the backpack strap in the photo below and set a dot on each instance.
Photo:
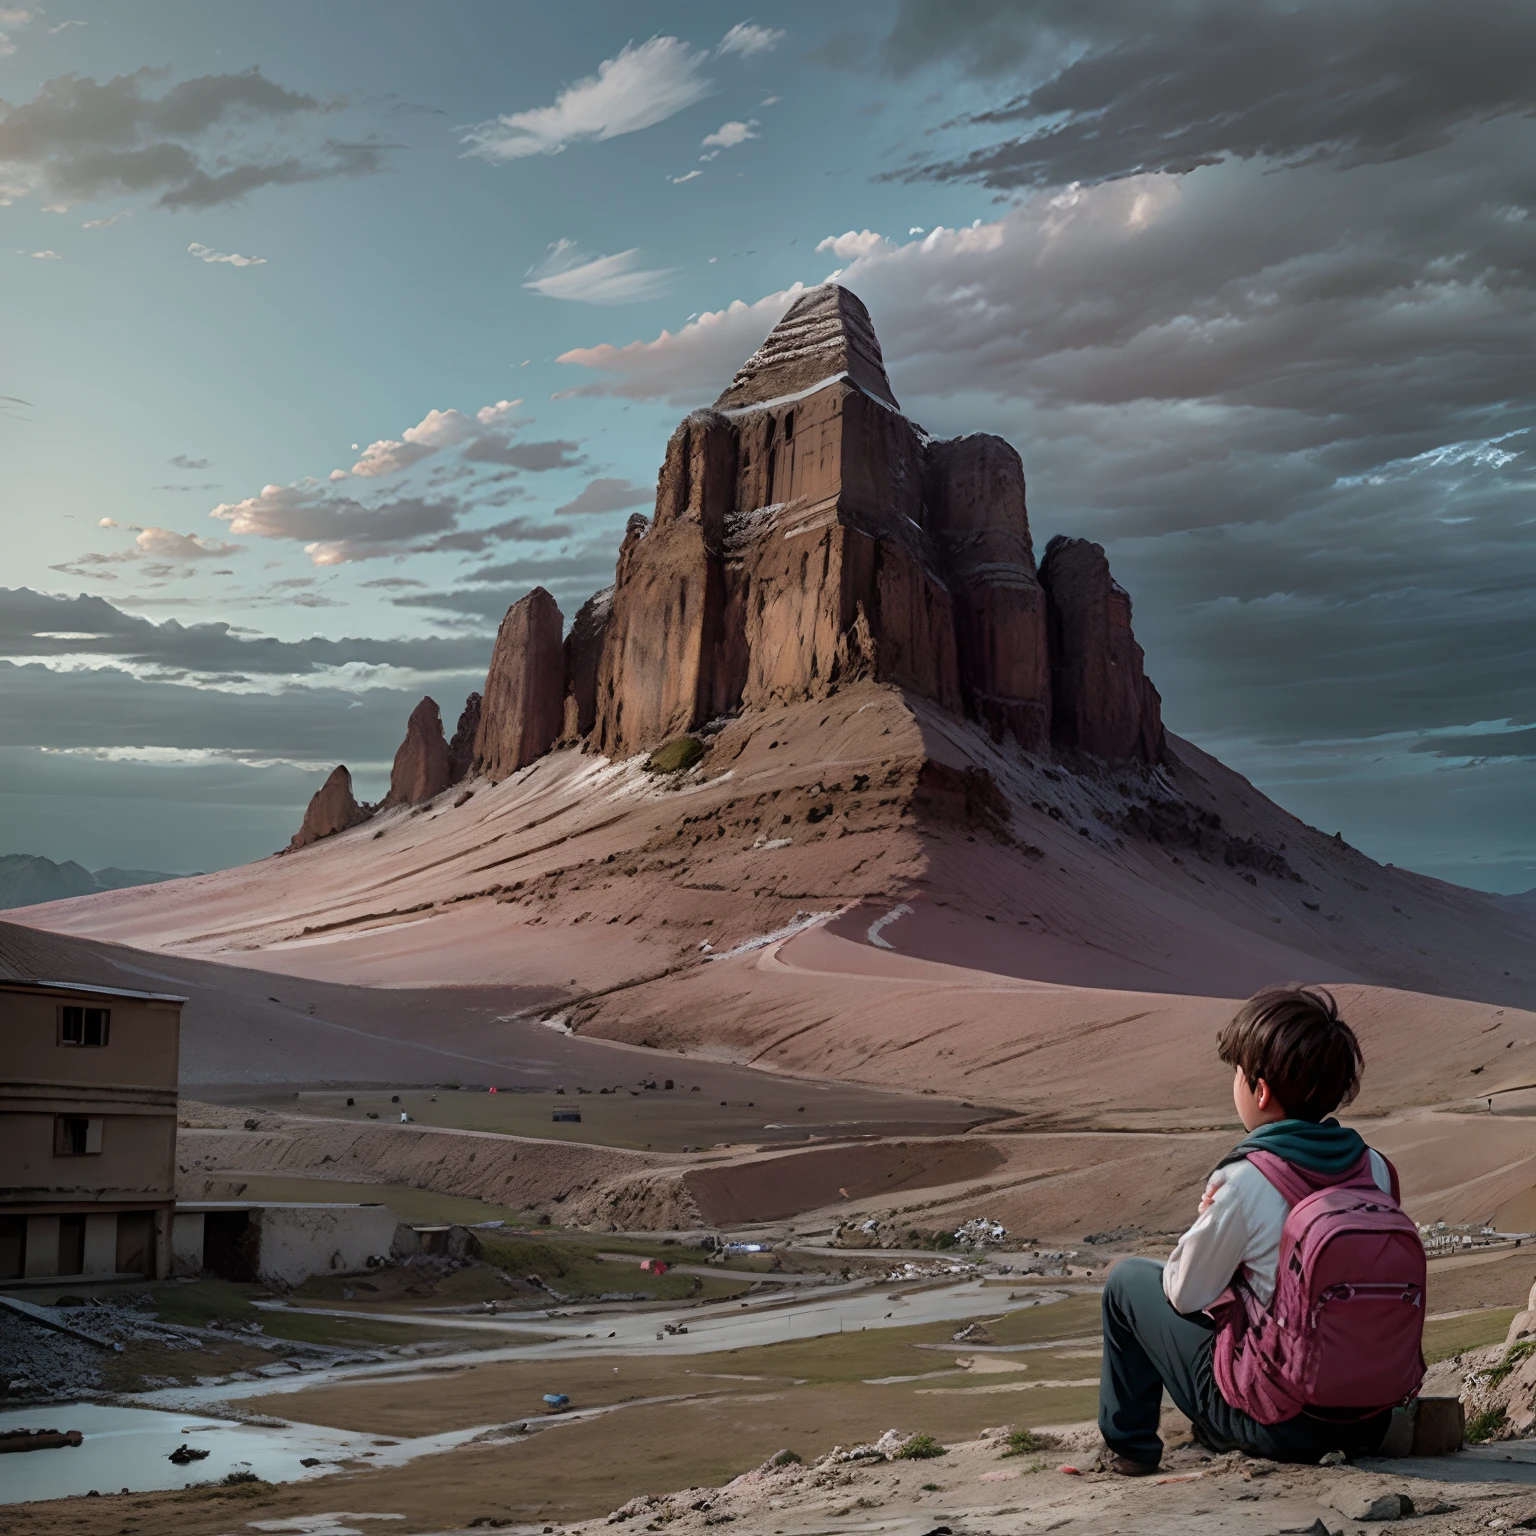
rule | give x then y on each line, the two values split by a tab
1282	1175
1295	1185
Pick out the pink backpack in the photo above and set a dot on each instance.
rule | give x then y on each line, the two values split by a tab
1345	1329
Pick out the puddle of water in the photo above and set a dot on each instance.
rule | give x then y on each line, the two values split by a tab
127	1448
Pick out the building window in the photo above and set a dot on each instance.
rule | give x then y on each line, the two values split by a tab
83	1026
75	1136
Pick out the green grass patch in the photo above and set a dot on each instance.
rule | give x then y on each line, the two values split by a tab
1515	1355
1025	1442
920	1448
573	1269
1076	1317
1485	1426
1456	1335
677	755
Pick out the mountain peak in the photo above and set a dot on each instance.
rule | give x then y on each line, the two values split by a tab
826	332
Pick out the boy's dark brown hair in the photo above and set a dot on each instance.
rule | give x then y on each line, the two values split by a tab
1294	1039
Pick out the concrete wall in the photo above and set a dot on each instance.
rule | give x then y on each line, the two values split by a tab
298	1241
286	1244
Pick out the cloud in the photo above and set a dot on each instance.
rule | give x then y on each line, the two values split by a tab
643	85
565	273
691	365
746	40
199	143
677	181
203	253
167	545
606	495
1101	94
392	583
855	243
491	590
46	256
336	529
181	461
1293	403
729	135
107	222
65	25
85	633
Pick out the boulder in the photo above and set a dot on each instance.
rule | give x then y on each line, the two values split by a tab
523	708
461	750
332	809
422	767
583	653
1102	703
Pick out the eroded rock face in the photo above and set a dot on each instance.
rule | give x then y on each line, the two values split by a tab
979	520
461	750
422	767
1102	702
524	703
807	534
825	333
583	654
332	809
657	676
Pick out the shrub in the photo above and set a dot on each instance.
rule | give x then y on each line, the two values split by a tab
1485	1426
785	1458
1025	1442
920	1448
676	755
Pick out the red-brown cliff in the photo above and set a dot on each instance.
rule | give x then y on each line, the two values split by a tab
422	768
1103	703
332	809
524	702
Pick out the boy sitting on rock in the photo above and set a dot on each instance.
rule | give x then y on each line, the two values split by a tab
1287	1322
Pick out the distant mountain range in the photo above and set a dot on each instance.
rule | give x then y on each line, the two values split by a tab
28	878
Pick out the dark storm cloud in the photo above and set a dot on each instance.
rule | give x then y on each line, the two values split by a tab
36	624
492	589
1113	89
201	142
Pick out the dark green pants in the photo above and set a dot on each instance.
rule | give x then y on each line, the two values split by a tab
1148	1346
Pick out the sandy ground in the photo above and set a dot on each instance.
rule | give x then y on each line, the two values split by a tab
1014	976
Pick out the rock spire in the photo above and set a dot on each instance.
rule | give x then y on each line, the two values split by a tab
422	768
523	707
331	809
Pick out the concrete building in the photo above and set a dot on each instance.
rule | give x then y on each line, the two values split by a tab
283	1243
88	1081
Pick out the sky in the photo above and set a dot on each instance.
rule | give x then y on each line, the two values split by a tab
329	331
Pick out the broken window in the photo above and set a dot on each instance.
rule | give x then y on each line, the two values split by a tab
76	1136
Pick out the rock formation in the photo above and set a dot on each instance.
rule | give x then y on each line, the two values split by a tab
977	513
1103	704
523	707
583	652
331	809
461	750
422	768
807	534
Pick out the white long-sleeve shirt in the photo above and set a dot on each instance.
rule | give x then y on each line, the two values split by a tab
1238	1231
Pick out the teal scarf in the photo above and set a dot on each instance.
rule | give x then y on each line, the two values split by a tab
1324	1147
